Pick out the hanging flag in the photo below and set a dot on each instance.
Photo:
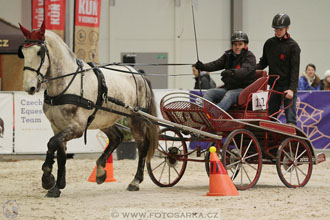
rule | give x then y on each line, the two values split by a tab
38	13
54	13
87	24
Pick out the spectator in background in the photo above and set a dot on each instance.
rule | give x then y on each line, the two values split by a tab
325	83
309	80
206	82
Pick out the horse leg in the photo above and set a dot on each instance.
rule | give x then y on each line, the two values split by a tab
58	142
138	178
115	138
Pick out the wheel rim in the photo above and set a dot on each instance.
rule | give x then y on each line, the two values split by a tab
242	158
294	163
169	162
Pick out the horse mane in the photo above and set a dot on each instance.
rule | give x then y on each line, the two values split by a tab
57	45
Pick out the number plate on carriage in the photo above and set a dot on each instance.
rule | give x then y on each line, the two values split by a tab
259	100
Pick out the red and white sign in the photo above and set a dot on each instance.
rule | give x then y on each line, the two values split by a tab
37	13
88	13
55	14
52	10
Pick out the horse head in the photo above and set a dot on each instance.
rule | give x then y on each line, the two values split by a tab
34	52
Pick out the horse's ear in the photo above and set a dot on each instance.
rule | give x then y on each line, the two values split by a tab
25	31
42	30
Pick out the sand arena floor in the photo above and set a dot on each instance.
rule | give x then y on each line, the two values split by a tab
20	185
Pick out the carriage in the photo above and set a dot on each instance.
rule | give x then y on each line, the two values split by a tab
245	139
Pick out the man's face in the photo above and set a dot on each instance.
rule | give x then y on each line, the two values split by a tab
195	71
280	32
238	46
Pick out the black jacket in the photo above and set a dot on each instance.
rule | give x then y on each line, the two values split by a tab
243	67
282	56
206	82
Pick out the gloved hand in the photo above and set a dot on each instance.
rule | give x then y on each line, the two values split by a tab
227	73
199	65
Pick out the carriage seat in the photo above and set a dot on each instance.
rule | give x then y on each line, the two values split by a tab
260	84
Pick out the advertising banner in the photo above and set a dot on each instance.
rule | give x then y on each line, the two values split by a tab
86	34
54	13
6	123
33	130
313	116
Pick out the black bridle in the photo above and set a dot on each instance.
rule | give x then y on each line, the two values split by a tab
42	53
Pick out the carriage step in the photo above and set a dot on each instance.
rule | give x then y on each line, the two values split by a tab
320	157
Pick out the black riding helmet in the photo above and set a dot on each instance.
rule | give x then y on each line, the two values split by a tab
239	36
281	20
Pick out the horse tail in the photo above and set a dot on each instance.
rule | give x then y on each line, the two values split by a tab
153	129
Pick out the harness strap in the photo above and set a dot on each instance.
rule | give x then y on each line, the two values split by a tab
102	92
68	99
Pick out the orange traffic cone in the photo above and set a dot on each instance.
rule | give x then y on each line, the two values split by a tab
220	182
108	168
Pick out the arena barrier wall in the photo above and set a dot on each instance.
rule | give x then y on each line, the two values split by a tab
24	129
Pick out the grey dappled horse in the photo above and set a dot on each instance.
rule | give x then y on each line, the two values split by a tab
46	56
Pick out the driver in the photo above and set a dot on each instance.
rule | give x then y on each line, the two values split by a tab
239	66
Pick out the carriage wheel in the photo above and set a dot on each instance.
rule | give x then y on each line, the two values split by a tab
169	162
242	157
294	162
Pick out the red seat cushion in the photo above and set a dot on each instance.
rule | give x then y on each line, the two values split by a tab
259	84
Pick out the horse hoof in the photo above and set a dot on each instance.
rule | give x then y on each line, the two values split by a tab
101	179
132	187
54	193
48	181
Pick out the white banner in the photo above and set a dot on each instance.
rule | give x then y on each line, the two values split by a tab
6	123
33	129
259	100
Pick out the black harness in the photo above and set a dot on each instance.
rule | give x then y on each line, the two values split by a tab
79	100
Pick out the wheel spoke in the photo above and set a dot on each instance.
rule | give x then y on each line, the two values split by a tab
290	157
232	164
161	174
247	175
158	165
241	145
295	168
301	171
251	166
231	154
248	157
161	147
234	173
295	156
300	155
237	147
247	148
176	171
290	147
289	168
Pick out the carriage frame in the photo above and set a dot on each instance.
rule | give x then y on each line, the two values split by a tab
245	140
